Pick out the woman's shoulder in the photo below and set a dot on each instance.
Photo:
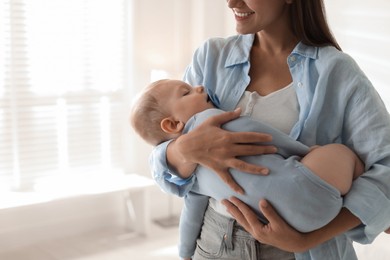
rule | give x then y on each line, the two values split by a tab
342	68
335	67
332	56
328	59
323	55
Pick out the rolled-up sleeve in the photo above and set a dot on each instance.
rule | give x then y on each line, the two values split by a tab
371	204
369	135
165	177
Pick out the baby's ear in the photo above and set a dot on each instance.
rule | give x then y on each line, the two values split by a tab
171	126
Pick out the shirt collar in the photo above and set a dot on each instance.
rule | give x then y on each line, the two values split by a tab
239	55
240	52
306	51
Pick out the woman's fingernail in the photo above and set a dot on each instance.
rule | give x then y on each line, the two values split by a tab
264	171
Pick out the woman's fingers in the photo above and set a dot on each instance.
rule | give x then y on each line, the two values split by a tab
245	216
223	118
250	149
251	219
248	219
249	137
269	212
236	213
240	165
228	179
243	166
276	232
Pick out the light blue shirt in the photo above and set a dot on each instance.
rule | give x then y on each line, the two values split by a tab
338	104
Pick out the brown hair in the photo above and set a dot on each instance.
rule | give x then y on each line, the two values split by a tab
309	23
146	115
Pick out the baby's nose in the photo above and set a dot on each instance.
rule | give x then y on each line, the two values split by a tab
200	89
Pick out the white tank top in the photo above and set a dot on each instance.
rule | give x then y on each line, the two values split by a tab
279	109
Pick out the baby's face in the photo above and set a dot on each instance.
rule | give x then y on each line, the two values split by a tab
182	100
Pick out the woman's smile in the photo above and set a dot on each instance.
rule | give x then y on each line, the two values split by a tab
242	14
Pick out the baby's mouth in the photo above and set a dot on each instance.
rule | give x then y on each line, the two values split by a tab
212	98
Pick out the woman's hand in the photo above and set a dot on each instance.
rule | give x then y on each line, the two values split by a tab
276	233
279	234
218	149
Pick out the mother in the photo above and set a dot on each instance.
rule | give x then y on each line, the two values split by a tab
284	68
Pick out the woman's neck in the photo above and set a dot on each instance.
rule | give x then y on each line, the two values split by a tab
278	37
276	43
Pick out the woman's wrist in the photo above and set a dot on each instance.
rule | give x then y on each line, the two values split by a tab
177	162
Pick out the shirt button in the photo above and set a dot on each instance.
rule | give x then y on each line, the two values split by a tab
293	58
300	84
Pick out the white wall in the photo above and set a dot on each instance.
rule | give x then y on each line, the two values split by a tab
363	31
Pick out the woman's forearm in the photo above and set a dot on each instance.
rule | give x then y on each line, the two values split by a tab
344	221
177	162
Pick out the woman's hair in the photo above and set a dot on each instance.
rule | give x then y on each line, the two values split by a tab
146	114
309	23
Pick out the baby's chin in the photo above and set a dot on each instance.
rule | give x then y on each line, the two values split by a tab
209	105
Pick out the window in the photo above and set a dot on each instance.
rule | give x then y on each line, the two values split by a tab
63	71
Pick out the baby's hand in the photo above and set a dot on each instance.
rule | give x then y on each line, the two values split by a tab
387	231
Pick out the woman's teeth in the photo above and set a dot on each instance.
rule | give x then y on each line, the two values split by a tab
243	14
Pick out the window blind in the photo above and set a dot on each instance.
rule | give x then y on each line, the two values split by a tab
62	78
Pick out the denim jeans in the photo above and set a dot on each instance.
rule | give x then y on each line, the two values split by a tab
223	238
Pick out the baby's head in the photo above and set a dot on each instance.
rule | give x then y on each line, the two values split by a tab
161	110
